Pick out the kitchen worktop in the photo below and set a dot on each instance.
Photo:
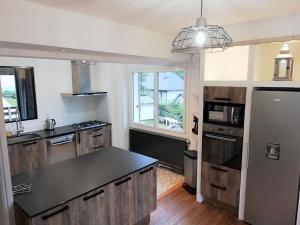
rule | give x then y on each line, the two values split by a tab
58	131
62	182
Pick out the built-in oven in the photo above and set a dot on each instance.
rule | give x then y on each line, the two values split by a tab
224	113
61	148
222	145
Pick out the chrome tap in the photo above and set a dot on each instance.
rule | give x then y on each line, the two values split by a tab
19	125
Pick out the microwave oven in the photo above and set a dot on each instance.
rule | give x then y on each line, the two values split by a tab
224	113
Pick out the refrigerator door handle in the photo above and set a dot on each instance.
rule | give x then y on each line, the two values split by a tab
248	154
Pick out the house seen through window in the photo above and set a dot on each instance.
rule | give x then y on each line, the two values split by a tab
159	99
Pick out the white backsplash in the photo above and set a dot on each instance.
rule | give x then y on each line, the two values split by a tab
53	77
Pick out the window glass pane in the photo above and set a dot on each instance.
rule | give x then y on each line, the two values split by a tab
144	98
10	103
171	100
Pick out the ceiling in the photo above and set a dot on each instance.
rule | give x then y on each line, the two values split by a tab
171	15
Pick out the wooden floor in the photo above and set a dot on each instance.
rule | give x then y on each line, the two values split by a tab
181	208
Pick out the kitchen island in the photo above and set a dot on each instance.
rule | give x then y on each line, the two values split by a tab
111	186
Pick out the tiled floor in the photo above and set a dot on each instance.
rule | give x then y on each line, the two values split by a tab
166	180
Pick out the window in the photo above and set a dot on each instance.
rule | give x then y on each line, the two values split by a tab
158	99
18	93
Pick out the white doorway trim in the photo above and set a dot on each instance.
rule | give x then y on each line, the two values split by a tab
6	196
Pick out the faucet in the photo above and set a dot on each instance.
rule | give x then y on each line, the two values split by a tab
19	125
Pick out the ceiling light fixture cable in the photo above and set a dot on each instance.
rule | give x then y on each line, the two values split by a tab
194	39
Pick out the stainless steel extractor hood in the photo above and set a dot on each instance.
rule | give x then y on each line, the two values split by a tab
81	80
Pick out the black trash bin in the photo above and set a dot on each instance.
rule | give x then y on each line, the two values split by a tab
190	171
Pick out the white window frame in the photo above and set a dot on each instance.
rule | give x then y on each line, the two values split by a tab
155	128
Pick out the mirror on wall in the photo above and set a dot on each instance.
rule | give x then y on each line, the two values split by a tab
18	93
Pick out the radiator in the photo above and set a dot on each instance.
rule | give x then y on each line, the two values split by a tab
168	150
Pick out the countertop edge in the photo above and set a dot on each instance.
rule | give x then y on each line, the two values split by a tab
152	161
37	214
52	136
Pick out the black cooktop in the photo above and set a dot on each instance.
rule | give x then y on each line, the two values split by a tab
88	124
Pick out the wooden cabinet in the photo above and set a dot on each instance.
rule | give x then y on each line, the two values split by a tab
127	201
146	193
220	183
91	140
225	94
122	201
84	142
62	215
27	156
93	208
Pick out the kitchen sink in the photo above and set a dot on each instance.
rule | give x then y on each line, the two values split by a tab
22	137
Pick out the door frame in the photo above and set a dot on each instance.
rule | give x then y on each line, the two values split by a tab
6	195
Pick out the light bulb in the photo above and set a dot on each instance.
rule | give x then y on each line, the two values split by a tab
201	38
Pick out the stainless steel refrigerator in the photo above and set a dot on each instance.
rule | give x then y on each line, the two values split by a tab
274	157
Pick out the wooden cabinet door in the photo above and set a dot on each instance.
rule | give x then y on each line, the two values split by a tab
146	193
84	142
108	141
27	156
62	215
225	94
220	183
122	201
93	208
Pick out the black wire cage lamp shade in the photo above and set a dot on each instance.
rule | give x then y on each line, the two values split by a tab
194	39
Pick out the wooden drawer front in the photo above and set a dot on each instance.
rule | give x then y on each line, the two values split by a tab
62	215
100	130
93	208
214	174
146	194
220	183
122	201
225	94
98	138
27	156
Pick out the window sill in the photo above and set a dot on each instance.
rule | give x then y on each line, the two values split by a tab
159	131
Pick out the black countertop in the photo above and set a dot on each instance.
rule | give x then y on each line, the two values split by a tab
58	131
59	183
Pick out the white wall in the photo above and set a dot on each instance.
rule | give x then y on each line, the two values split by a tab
53	77
115	108
23	21
265	29
229	65
114	79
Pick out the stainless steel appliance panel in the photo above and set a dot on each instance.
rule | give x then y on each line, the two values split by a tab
222	145
274	159
61	148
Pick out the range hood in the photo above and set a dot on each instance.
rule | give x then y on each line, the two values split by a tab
81	80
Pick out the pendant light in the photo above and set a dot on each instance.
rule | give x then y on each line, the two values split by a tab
193	39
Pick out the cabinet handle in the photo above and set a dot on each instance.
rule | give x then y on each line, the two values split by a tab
55	213
93	195
29	143
218	169
97	135
98	129
101	146
123	181
147	170
79	138
218	187
222	99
